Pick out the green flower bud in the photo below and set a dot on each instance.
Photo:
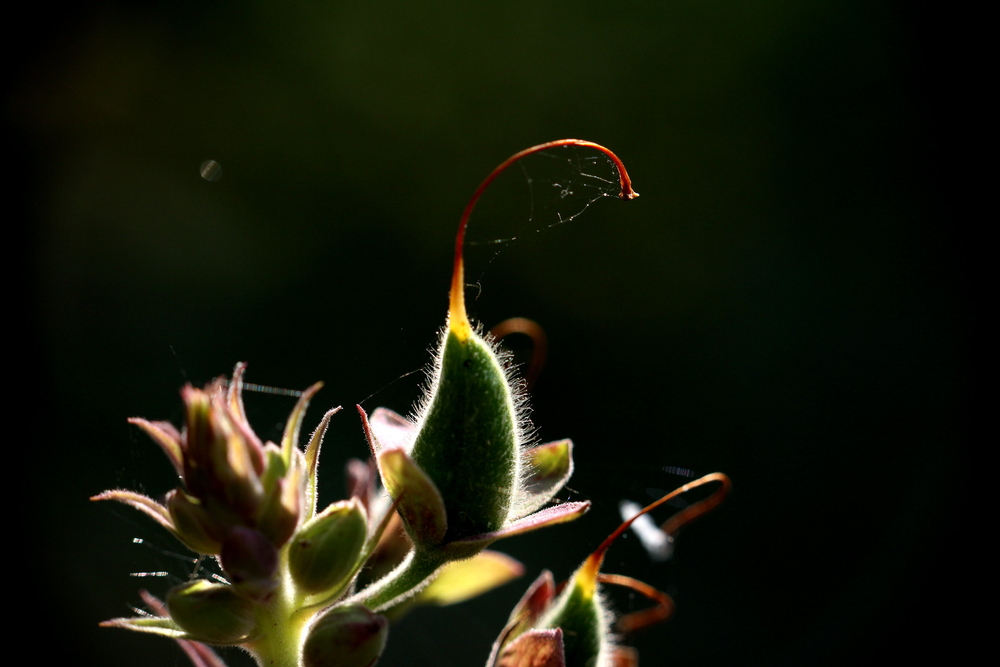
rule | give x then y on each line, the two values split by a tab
326	549
469	439
346	636
211	613
468	442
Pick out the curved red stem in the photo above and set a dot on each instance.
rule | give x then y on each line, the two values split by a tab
687	515
458	319
539	343
644	618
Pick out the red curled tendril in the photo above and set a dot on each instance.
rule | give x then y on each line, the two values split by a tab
458	320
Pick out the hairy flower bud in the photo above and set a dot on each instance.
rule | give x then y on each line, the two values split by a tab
346	636
461	473
326	549
468	439
211	613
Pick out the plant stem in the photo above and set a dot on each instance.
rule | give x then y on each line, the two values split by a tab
282	625
409	578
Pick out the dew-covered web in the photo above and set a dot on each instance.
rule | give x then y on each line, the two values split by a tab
164	564
543	191
173	563
589	176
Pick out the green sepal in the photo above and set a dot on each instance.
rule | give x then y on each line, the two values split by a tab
312	464
165	627
290	437
467	442
549	468
211	613
346	636
326	549
420	503
462	580
274	467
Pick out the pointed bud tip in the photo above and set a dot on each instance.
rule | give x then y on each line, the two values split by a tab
458	319
586	577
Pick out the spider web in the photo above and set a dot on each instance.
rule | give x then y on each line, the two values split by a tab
538	193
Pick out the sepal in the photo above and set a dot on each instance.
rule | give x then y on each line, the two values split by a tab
465	579
167	437
550	466
549	516
421	505
194	527
282	506
535	648
531	606
165	627
143	503
312	463
290	437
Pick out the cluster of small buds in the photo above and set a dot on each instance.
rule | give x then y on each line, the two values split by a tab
319	589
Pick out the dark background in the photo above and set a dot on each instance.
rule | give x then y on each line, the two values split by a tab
786	302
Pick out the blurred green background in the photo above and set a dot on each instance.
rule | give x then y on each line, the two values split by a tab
783	303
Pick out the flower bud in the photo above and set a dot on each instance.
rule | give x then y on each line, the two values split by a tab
192	524
326	549
279	511
468	442
250	561
211	613
346	636
469	438
224	457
